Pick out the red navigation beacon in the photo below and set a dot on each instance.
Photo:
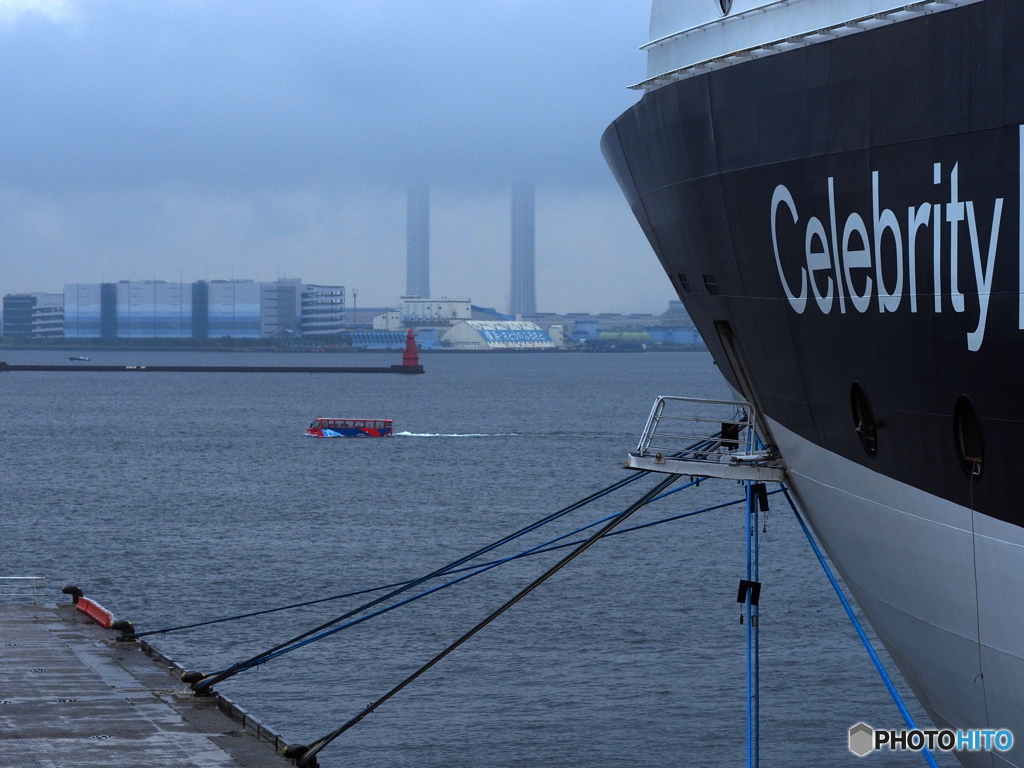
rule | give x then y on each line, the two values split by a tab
410	356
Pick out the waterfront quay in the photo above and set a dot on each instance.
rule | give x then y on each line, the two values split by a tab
71	695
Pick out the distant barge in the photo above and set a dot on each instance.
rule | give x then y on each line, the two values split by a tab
410	364
214	368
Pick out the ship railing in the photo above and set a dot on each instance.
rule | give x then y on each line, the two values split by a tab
19	589
705	438
675	423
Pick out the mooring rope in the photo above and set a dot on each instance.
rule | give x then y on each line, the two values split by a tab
544	521
308	757
484	567
907	717
538	551
211	680
476	571
540	523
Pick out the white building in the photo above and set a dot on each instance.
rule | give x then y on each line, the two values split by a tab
153	309
557	334
323	310
496	334
415	310
238	309
83	311
280	309
388	321
234	309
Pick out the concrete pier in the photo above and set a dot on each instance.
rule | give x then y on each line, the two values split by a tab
71	696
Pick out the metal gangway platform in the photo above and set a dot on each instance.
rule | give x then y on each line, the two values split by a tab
705	438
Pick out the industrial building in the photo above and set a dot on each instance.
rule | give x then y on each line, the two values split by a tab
417	311
377	339
280	308
500	334
90	311
153	310
671	328
236	309
233	309
34	315
323	310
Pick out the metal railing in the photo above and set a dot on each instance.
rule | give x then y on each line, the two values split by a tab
21	588
695	429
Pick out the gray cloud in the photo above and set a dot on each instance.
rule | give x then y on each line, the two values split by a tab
200	138
257	92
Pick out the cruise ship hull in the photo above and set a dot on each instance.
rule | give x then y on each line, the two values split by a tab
845	215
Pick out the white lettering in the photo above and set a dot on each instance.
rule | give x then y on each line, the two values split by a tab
887	302
916	218
937	256
836	266
859	258
818	261
937	244
1020	252
799	303
954	215
983	275
835	243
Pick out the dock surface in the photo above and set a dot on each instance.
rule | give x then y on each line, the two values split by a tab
72	697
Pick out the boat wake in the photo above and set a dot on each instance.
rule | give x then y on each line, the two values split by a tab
450	434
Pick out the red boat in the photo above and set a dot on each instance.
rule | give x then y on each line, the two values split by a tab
325	427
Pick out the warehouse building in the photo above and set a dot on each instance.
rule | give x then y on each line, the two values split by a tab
496	334
236	309
417	311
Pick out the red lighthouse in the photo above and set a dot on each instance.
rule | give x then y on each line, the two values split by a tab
410	356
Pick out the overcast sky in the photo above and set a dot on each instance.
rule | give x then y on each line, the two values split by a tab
249	138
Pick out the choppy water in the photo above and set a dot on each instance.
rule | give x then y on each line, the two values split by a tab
172	497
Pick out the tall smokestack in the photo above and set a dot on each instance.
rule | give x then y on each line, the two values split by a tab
417	264
524	297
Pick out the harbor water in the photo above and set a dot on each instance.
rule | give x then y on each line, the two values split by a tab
177	497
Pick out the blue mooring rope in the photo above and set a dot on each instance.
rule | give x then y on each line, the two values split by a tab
907	717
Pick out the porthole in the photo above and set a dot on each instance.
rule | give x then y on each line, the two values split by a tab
970	447
725	5
684	283
863	420
711	283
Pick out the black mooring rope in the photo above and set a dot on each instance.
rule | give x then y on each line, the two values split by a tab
210	680
593	497
308	757
410	582
474	570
